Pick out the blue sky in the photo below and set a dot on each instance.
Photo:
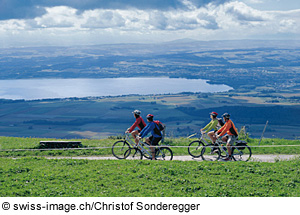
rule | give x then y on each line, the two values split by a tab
82	22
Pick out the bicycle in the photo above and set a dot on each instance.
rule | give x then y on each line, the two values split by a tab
123	149
195	148
161	152
208	151
240	151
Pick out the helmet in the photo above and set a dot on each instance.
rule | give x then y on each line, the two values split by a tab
226	115
214	113
150	116
137	112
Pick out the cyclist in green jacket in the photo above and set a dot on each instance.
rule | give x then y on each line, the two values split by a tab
211	127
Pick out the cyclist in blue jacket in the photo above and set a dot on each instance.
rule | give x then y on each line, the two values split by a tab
156	136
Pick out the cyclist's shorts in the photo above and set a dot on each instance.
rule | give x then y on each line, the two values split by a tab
231	139
154	140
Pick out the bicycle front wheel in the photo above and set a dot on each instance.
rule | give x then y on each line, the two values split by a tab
210	153
241	154
195	148
134	154
120	149
164	153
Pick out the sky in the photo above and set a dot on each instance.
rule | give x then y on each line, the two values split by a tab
90	22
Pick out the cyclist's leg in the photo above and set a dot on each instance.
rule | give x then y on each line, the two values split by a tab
149	141
134	134
212	136
226	140
230	142
154	142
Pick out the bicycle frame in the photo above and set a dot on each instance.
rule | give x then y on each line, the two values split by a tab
144	147
202	137
223	148
127	138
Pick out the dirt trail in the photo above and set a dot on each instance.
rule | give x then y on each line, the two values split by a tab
259	158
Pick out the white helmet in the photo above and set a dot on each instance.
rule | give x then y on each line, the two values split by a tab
137	112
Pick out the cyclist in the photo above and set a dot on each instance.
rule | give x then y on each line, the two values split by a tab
231	134
139	122
212	125
156	136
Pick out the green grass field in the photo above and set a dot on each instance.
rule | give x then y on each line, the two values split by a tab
28	174
39	177
16	147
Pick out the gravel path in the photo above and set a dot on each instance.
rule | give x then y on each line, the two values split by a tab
258	158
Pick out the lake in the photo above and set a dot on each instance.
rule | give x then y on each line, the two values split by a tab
31	89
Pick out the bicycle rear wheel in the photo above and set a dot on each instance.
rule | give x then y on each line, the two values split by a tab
241	154
134	154
164	153
208	154
120	149
195	148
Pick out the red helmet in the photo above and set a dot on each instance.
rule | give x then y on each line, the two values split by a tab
150	116
214	113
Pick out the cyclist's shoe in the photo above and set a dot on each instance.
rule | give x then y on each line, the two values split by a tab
213	150
227	159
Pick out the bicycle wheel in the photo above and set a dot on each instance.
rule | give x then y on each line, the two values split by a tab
134	154
241	154
208	154
120	149
164	153
195	148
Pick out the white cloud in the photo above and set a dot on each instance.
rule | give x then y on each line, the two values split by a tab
102	19
231	20
242	12
158	20
56	17
254	1
287	21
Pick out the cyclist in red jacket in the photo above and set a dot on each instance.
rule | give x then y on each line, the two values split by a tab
139	122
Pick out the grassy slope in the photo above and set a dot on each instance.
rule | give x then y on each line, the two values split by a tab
31	176
80	178
7	144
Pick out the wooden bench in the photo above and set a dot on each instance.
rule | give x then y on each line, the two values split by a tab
60	144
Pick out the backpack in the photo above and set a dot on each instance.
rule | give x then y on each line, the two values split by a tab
220	122
162	129
160	126
241	144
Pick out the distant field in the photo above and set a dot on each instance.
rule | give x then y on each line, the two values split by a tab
184	114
